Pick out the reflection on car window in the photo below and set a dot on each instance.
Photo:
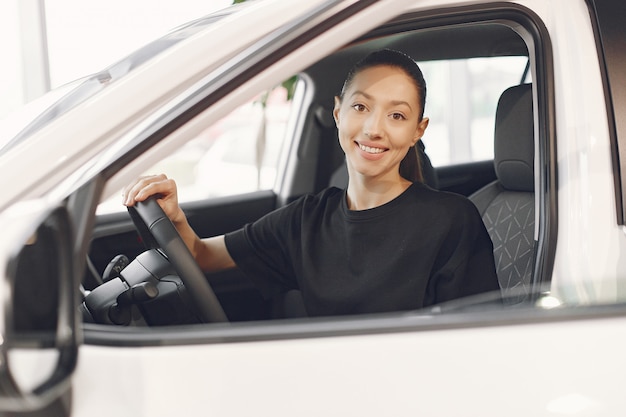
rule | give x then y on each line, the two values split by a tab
462	99
238	154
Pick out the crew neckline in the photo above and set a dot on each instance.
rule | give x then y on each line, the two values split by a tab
373	212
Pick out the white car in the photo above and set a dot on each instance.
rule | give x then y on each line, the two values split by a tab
528	119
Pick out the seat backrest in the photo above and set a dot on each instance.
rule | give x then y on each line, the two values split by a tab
507	205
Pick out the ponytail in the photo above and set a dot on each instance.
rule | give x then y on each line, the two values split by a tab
411	166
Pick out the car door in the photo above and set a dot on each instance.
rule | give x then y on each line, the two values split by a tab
396	364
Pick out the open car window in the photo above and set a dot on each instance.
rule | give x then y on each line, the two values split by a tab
239	154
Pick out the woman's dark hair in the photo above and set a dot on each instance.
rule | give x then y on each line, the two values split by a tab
410	166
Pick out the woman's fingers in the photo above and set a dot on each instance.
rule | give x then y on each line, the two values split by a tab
147	186
165	188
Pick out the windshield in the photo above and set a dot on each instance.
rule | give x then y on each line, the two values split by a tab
71	97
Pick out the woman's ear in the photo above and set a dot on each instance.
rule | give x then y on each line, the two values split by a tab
421	128
336	110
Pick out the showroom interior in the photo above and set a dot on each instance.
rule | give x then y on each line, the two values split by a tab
46	44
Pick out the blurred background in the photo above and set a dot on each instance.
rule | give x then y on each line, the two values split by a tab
45	44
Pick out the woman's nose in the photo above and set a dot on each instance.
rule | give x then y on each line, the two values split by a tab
373	125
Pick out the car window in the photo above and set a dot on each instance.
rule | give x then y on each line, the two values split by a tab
462	99
239	153
236	155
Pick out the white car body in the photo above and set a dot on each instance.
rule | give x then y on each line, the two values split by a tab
561	365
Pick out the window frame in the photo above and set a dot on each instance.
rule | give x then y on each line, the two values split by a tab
538	40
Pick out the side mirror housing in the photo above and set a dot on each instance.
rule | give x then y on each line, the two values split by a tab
38	315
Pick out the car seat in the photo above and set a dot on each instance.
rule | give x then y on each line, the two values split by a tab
507	205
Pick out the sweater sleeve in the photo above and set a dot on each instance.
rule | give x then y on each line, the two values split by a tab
260	250
465	264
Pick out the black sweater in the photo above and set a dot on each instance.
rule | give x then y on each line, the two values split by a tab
422	248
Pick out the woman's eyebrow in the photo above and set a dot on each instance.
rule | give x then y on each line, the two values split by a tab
400	103
361	93
392	102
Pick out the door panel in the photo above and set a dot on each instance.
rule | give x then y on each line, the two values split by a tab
420	369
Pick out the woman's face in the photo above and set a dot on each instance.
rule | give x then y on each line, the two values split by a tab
378	121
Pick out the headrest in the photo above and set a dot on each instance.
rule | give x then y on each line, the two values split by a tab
514	148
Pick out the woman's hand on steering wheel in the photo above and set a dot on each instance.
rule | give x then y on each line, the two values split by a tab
161	186
157	231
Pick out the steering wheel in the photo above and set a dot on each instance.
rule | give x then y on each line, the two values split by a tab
157	231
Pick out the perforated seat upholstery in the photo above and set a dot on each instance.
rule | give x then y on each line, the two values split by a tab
507	205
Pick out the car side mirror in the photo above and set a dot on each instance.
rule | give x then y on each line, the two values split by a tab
38	312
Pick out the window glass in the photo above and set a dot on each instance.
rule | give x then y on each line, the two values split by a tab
461	103
238	154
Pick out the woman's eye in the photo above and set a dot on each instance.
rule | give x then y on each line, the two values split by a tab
358	107
397	116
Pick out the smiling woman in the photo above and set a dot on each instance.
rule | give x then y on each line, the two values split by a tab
380	117
386	243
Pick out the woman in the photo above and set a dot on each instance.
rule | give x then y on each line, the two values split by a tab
387	242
